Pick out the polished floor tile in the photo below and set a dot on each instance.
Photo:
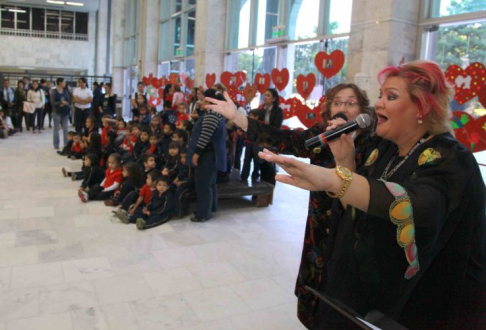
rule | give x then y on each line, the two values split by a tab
69	265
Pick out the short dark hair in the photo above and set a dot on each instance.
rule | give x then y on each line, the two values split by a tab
171	125
146	157
83	79
141	83
154	175
71	133
163	178
42	81
59	80
175	145
183	134
135	126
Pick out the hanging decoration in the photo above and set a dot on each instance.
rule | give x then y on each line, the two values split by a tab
329	65
468	83
153	87
250	92
280	78
233	80
305	85
262	82
174	78
189	83
290	107
210	79
309	117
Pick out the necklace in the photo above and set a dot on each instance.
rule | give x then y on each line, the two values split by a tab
387	175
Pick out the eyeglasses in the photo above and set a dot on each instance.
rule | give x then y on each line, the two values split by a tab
338	104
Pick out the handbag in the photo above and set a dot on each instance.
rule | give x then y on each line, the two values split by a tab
29	107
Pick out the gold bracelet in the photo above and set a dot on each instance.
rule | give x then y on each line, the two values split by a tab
347	176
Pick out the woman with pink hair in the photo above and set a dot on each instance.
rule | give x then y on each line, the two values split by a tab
408	230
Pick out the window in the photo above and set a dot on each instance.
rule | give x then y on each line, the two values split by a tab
8	17
131	33
81	23
239	23
38	17
340	16
23	18
442	8
67	22
267	19
191	31
177	37
303	19
164	41
52	20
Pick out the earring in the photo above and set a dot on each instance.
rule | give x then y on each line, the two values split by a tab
420	122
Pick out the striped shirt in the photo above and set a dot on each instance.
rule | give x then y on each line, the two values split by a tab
210	122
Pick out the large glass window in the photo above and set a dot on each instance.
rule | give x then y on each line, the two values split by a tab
303	19
191	32
8	17
23	18
131	33
81	23
52	20
67	22
267	19
239	23
164	41
340	16
443	8
177	49
38	17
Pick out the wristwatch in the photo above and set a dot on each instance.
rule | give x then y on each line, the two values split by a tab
347	176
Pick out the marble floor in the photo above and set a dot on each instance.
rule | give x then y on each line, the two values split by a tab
68	265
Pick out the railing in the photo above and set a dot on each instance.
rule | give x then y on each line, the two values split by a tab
43	34
70	79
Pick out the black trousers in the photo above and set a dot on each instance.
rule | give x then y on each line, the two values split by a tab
47	111
80	116
251	154
36	116
268	172
205	181
97	194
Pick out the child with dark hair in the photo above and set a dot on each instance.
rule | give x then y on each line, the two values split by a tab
132	181
111	183
145	118
155	127
166	138
187	126
155	151
77	149
141	146
126	148
145	194
161	206
93	174
107	121
121	131
153	111
67	148
149	165
181	136
173	161
109	148
182	183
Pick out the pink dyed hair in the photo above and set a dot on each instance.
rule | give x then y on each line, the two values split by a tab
428	89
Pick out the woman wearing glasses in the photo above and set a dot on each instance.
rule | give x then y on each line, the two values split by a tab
343	98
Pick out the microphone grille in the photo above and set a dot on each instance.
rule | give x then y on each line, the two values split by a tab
363	120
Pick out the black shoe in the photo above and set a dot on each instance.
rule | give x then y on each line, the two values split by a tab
196	219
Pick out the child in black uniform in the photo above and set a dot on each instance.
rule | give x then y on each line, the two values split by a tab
173	161
161	207
181	185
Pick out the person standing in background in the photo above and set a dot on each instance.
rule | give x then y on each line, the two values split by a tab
82	97
7	99
46	87
20	98
36	96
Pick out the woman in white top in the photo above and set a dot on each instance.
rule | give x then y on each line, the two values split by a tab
36	96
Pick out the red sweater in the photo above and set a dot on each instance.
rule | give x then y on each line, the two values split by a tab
77	148
152	148
146	193
112	176
105	131
181	117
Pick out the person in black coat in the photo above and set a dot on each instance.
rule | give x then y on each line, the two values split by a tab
161	207
93	174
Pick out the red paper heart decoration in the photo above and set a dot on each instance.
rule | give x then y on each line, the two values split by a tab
237	96
210	80
482	96
469	131
309	117
329	65
468	83
173	78
250	92
164	81
189	83
233	80
290	107
262	82
305	85
280	78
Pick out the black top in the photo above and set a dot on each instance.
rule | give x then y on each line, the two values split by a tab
419	254
108	103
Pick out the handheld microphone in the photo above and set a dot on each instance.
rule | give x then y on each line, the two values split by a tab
362	121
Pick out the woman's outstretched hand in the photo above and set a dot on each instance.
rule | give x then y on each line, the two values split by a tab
225	108
301	175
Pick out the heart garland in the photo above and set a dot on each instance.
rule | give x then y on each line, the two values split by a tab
468	83
329	65
469	131
233	80
262	82
250	92
280	78
210	79
305	85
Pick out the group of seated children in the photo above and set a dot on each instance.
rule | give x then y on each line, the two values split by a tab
138	167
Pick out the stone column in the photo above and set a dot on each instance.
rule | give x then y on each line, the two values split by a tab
148	37
102	49
382	33
118	49
210	33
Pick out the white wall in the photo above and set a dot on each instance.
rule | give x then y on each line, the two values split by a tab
44	53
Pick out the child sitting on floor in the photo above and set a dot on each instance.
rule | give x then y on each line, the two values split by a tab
132	181
160	209
77	149
111	183
172	163
182	184
67	148
93	174
143	200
